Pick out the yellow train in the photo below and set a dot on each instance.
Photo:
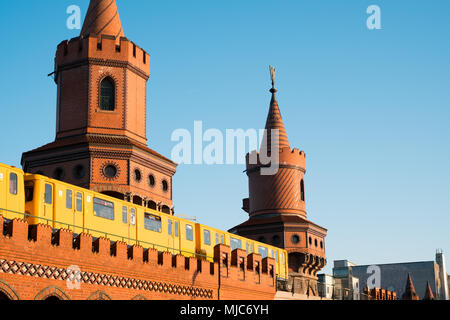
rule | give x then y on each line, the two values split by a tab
62	205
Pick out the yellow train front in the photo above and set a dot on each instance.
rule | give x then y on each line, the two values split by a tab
12	195
63	205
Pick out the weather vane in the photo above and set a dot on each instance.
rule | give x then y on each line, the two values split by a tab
272	76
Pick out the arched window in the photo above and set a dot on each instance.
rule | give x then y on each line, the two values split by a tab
107	95
302	190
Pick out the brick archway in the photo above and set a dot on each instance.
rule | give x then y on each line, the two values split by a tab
7	292
51	293
139	297
99	295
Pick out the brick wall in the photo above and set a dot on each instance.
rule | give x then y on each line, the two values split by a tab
37	264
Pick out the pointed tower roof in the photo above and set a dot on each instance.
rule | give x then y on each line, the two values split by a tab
428	293
274	119
102	18
410	292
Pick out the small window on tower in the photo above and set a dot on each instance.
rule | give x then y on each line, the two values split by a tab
302	190
107	95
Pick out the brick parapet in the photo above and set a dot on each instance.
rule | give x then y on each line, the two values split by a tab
33	258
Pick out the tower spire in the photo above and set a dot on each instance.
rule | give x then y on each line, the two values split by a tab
102	18
410	292
274	119
428	293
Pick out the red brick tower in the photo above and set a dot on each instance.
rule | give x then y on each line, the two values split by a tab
101	139
276	207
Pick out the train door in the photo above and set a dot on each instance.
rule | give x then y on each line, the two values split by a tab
78	212
47	203
132	228
173	239
3	191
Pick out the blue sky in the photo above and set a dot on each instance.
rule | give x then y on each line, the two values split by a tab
371	109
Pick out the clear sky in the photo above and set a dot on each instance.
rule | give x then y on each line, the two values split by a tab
371	108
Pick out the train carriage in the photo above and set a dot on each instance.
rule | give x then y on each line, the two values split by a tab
12	203
62	205
208	238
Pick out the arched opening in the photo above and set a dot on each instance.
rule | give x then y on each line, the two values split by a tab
302	190
3	297
107	95
137	200
165	209
114	194
52	298
151	205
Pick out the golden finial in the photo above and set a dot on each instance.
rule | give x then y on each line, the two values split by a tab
272	76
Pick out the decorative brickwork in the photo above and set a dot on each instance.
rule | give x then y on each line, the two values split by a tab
277	210
31	267
90	138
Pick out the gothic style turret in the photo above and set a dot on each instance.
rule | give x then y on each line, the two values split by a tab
276	204
410	292
428	293
101	138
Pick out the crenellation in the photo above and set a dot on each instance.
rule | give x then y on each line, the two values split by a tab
151	256
103	48
179	261
19	230
136	253
87	252
65	239
120	250
83	243
165	259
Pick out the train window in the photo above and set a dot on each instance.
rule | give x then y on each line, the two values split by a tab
217	238
263	252
48	195
176	229
152	223
282	258
189	232
69	199
246	248
132	217
124	214
79	202
169	227
207	237
29	191
222	239
235	244
104	209
251	248
13	183
276	256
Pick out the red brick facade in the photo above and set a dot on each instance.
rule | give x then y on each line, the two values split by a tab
276	208
34	265
104	149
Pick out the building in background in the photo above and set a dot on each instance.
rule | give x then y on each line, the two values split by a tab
325	285
393	276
